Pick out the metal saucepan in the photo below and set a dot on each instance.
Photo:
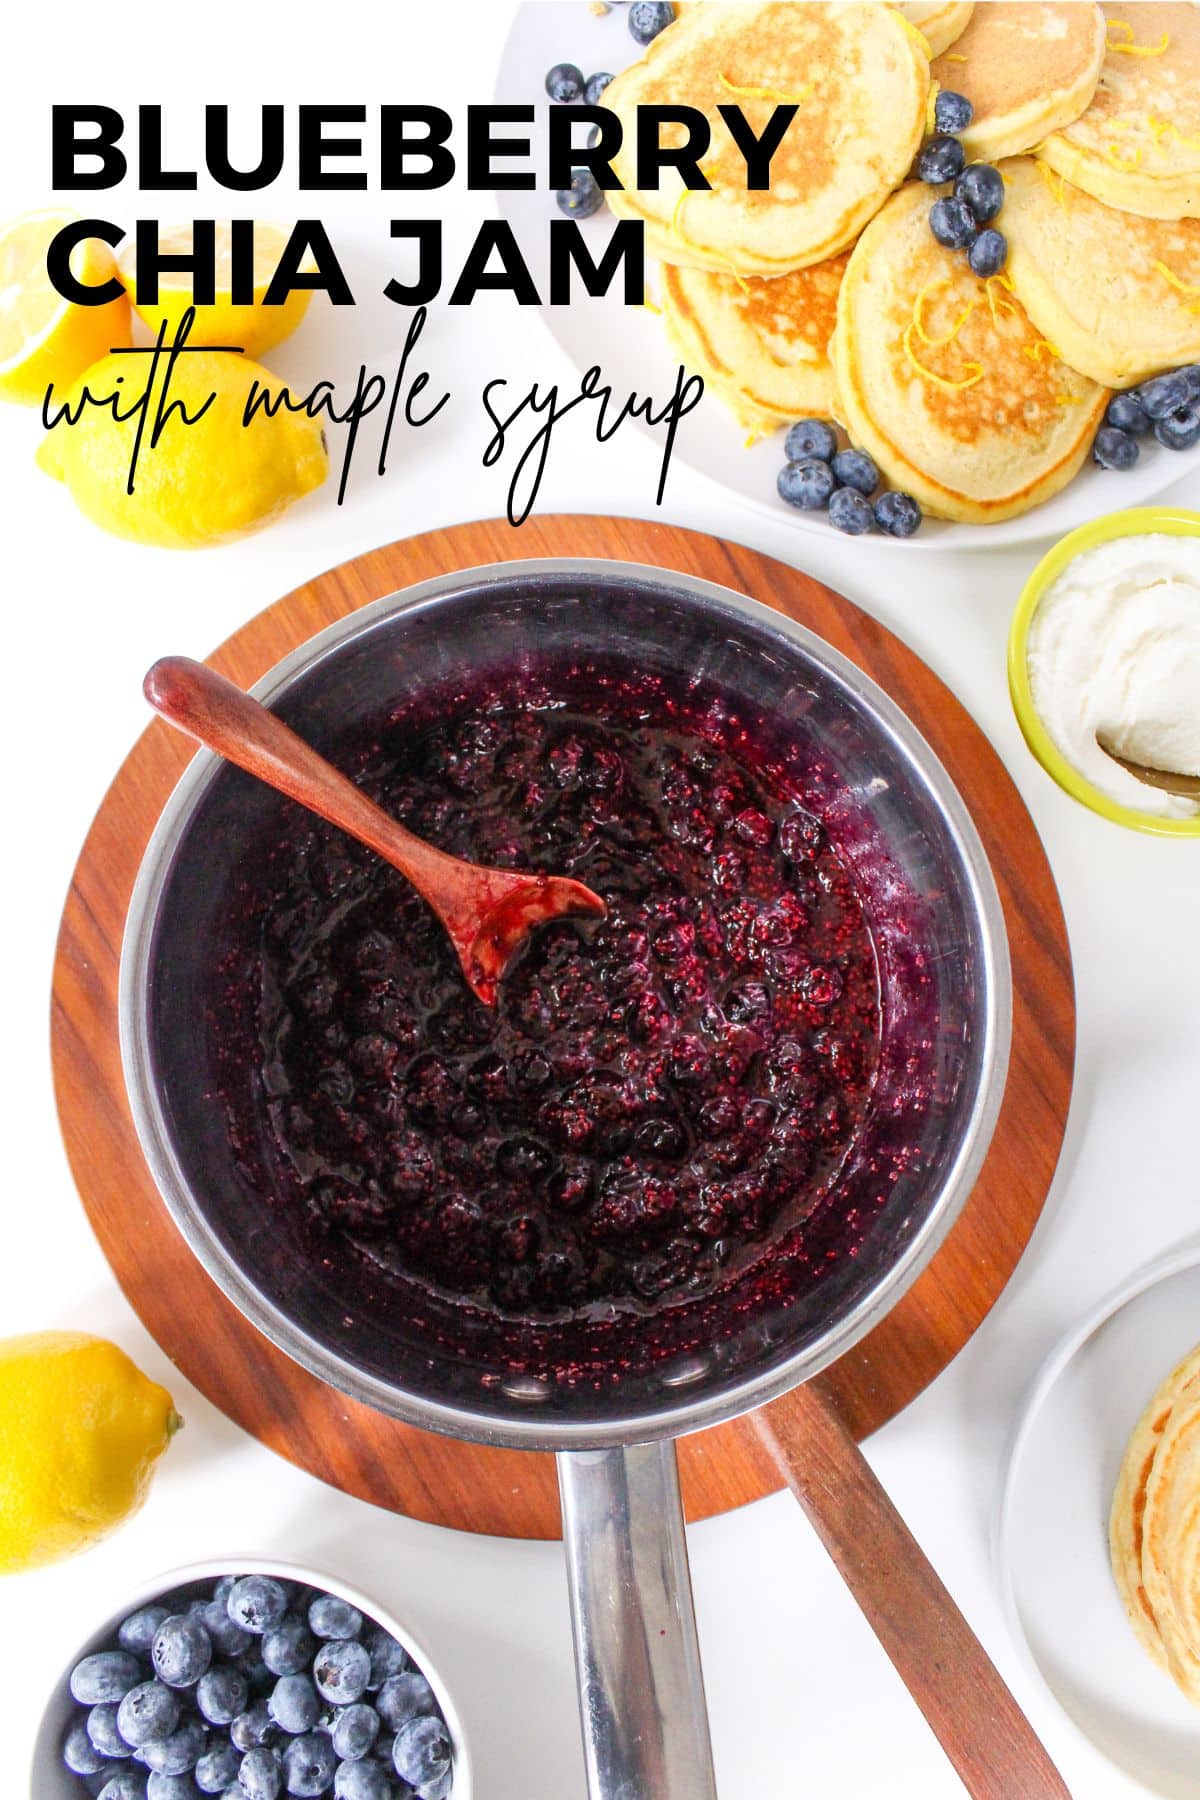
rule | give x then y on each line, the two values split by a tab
944	968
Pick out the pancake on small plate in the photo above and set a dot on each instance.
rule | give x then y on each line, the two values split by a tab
1027	67
1125	1528
940	22
947	382
1117	295
1137	147
860	79
761	346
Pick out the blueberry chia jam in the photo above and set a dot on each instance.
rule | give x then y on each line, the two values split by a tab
655	1097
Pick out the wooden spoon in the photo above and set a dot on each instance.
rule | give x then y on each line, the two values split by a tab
936	1654
487	913
1169	780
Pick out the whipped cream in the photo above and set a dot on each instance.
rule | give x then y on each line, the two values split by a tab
1114	649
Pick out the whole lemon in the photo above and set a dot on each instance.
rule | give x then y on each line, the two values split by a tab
81	1429
254	326
201	483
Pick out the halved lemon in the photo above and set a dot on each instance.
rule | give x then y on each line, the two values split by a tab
44	338
253	328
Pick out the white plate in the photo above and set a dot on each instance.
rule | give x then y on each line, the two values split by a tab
1052	1538
629	345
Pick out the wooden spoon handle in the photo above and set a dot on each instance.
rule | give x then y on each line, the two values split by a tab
938	1657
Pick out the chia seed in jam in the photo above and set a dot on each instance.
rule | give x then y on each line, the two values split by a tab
656	1095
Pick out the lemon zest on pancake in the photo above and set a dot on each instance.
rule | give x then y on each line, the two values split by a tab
935	88
918	323
765	93
652	306
930	375
914	31
1129	48
1054	181
994	301
1122	25
951	57
1178	283
1034	351
1068	400
1113	153
1191	143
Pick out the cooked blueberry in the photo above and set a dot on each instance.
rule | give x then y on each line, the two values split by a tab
421	1752
294	1703
129	1784
253	1728
137	1632
355	1729
941	160
647	19
222	1694
162	1786
260	1773
217	1769
952	112
341	1671
329	1617
564	82
363	1781
148	1714
257	1604
1127	413
1114	449
1164	394
1179	430
808	438
387	1656
179	1753
404	1697
309	1766
897	514
851	512
989	253
952	222
181	1651
855	469
290	1647
807	484
980	187
582	198
104	1731
108	1675
595	85
80	1754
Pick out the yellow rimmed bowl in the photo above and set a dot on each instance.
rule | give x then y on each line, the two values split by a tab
1171	521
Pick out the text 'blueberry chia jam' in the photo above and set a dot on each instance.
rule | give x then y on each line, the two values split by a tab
655	1095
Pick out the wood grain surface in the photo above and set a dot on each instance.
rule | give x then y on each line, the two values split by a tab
514	1493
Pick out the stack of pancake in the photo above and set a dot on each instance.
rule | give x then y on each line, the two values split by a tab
1154	1531
828	295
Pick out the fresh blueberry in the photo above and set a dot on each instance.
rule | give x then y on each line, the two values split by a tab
421	1752
228	1638
253	1728
1179	430
647	19
808	438
341	1671
257	1604
290	1647
108	1675
260	1773
217	1769
105	1732
897	514
439	1788
980	187
224	1588
404	1697
855	469
851	512
1114	449
178	1754
989	253
129	1784
329	1617
137	1632
806	484
170	1787
1127	413
259	1677
80	1754
294	1703
309	1766
582	198
594	87
952	112
363	1781
941	160
355	1729
564	82
148	1714
387	1656
1164	394
222	1694
1191	375
181	1651
952	223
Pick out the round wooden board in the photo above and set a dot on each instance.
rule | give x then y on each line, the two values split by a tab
514	1493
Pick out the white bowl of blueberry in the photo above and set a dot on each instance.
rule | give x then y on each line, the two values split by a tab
268	1683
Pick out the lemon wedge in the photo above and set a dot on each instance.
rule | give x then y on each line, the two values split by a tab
252	328
44	338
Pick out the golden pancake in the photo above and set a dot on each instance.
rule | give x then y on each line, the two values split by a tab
940	22
1117	295
946	381
860	80
1027	67
1137	147
761	346
1172	1504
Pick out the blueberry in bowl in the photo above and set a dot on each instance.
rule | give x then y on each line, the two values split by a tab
113	1728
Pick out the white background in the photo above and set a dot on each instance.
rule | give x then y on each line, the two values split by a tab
801	1697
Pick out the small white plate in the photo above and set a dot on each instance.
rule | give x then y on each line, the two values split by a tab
628	342
1052	1530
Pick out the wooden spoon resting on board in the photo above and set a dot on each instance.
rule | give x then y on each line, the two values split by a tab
1169	780
945	1668
487	913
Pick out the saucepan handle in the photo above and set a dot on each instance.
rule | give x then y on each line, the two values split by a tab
637	1658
